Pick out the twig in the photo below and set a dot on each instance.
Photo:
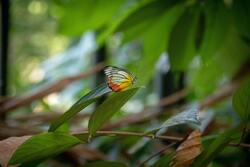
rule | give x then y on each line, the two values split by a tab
157	153
173	98
223	93
148	113
152	136
45	117
130	119
6	131
239	145
57	86
122	133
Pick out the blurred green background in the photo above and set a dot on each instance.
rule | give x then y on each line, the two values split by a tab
199	45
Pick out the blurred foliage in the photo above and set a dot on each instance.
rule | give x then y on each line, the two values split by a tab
241	100
206	41
33	39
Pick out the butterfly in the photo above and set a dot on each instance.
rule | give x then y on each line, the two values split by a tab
118	79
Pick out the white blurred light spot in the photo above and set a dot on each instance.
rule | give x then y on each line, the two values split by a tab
196	62
37	7
39	39
36	75
163	64
134	106
58	44
52	99
152	99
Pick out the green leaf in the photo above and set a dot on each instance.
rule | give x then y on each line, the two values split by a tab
153	22
188	116
155	40
222	66
217	24
108	108
214	148
182	45
144	12
241	13
164	161
105	164
136	19
79	105
80	16
241	100
42	146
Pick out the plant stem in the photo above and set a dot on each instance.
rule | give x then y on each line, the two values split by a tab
152	136
157	153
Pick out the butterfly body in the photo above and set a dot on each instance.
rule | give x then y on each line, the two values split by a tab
118	79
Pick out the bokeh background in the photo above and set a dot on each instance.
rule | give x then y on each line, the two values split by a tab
197	48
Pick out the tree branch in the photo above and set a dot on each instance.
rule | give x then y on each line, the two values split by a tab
16	102
222	93
152	136
162	151
45	117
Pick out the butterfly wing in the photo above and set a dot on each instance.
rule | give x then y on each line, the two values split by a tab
118	78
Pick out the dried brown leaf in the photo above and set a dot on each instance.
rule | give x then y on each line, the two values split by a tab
188	150
8	147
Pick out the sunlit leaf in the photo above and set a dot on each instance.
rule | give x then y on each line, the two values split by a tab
222	50
79	105
217	18
155	40
137	19
80	16
183	39
108	108
42	146
117	24
159	17
241	101
224	64
145	11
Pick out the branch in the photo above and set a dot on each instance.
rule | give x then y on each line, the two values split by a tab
57	86
45	117
227	90
173	98
148	112
7	131
162	151
223	93
152	136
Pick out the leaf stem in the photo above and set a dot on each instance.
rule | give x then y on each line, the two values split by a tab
138	134
162	151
